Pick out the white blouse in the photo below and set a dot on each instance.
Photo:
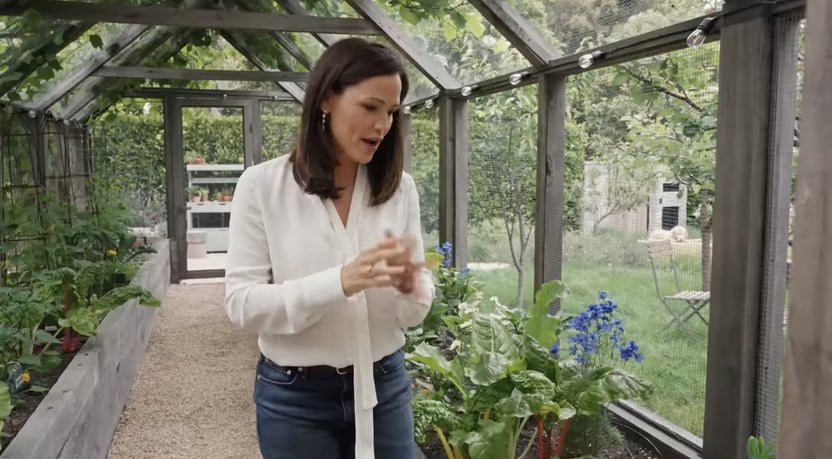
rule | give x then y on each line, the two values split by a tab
283	277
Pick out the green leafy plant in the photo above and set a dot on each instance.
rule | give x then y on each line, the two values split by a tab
758	449
506	369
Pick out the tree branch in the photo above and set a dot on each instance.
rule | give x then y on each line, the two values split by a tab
682	97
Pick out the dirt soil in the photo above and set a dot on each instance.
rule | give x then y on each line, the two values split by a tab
193	394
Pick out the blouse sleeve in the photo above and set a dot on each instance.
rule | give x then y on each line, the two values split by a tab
252	301
416	305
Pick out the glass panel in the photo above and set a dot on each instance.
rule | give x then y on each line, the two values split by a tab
129	143
213	147
424	141
74	54
502	170
466	44
575	25
640	161
279	121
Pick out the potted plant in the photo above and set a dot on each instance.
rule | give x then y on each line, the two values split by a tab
227	194
195	193
204	194
218	196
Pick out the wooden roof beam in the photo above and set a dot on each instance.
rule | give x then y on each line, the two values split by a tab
163	73
397	37
57	89
22	68
191	18
517	30
158	47
238	41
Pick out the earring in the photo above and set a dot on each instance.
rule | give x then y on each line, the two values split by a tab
323	119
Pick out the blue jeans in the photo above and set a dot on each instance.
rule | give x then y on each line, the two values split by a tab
307	415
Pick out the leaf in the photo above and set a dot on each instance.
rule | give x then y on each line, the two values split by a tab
490	441
486	369
96	41
31	19
430	413
458	18
449	32
539	359
620	385
540	325
83	320
38	389
44	337
492	350
5	401
474	25
430	356
514	406
567	411
30	361
408	15
534	382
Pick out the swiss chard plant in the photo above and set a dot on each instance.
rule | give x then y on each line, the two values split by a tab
506	371
453	287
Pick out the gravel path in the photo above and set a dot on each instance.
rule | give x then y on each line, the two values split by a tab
193	394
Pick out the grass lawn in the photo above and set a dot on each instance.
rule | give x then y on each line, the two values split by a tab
674	360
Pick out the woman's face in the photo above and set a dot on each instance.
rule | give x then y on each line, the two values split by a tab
361	116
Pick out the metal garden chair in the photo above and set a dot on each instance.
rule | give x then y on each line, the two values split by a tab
694	300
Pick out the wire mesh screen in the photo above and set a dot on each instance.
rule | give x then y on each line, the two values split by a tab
501	188
786	80
571	26
279	123
640	166
424	145
45	175
19	200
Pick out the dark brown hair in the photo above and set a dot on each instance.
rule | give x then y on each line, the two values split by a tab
345	63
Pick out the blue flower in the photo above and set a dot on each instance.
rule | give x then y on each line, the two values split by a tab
631	351
555	350
596	327
446	250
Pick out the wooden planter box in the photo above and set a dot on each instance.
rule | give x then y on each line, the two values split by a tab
78	416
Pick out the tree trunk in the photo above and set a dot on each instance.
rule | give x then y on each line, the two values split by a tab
521	292
705	223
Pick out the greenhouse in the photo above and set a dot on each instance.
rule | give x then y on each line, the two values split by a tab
624	207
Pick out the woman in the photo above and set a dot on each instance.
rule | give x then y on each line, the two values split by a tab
326	264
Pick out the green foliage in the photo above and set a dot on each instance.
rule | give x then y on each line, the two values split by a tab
501	377
130	147
758	449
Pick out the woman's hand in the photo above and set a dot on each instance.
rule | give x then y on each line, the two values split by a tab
408	280
372	268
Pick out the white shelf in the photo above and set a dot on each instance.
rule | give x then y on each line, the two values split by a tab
207	207
198	180
214	167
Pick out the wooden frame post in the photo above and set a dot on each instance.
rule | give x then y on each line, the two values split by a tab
782	134
453	177
808	393
551	151
742	157
175	185
407	139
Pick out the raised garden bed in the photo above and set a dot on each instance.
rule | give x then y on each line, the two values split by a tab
77	417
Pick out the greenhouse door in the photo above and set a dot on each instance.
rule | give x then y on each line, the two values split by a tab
209	142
